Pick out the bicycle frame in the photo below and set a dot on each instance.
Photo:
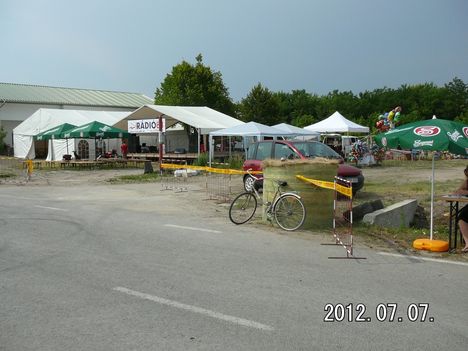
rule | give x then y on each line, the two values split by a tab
271	204
286	208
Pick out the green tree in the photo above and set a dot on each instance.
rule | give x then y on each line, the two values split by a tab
303	121
456	99
194	85
298	107
260	106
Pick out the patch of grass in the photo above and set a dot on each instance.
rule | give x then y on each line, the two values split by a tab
399	238
424	164
135	178
6	175
392	187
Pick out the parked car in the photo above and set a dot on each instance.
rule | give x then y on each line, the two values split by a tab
290	149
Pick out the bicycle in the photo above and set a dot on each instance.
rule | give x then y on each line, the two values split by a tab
286	208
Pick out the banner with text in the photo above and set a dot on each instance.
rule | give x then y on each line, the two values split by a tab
140	126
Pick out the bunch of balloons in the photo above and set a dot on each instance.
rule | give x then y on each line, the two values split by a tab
358	150
378	153
389	120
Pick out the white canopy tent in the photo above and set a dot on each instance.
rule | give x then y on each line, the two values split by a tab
44	119
202	118
299	132
250	129
337	123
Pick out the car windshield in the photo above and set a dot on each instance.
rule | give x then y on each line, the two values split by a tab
316	149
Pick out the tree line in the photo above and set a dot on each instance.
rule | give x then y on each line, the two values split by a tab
198	85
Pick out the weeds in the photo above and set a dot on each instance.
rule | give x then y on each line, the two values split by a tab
135	178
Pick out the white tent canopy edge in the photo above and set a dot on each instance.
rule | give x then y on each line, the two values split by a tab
202	118
337	123
252	129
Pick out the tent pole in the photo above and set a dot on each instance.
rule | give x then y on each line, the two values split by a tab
210	141
432	198
198	137
160	159
244	142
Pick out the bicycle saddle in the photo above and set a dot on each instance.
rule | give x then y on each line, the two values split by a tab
282	182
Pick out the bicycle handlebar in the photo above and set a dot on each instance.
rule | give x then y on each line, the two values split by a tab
279	182
252	175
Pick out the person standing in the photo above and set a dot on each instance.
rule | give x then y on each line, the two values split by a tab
463	214
124	149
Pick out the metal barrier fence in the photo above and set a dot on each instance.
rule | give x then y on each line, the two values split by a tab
342	212
219	184
343	216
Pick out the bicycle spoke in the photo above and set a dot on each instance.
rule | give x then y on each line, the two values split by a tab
242	208
289	212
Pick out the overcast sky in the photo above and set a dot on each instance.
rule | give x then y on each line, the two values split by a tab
316	45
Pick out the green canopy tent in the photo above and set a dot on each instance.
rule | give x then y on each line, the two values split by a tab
432	134
95	130
55	133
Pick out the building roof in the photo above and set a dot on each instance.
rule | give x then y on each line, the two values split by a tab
36	94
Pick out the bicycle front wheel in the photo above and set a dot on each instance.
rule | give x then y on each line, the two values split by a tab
243	208
289	212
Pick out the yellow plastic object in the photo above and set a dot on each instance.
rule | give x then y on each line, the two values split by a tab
431	245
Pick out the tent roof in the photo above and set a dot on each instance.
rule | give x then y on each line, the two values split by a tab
296	130
54	132
200	117
95	129
251	129
337	123
44	119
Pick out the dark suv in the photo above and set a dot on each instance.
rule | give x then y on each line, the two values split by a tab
290	149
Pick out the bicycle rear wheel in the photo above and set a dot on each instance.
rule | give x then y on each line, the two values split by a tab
289	212
243	208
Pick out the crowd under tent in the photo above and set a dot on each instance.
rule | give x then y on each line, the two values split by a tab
337	123
45	119
201	119
250	132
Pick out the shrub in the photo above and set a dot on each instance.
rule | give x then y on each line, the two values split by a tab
235	162
202	160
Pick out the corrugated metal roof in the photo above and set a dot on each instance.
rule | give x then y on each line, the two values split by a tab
36	94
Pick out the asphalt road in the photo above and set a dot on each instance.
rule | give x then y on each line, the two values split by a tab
130	267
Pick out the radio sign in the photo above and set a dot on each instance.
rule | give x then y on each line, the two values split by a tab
141	126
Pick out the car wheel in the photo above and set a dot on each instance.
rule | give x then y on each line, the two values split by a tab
249	183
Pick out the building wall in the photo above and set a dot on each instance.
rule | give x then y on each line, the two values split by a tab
12	114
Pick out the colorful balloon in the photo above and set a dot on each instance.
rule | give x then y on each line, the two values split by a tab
388	120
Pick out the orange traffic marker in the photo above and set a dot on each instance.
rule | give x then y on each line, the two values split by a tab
431	245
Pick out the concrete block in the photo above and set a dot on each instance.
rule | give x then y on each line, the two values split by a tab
395	216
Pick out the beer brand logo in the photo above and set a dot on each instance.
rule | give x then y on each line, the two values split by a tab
465	131
455	135
420	143
384	141
427	131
